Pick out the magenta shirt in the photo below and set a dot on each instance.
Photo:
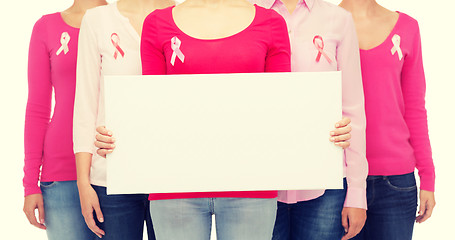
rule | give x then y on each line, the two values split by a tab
394	85
261	47
51	66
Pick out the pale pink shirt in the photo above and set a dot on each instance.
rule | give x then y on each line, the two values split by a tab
313	18
108	45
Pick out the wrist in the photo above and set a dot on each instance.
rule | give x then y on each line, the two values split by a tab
83	183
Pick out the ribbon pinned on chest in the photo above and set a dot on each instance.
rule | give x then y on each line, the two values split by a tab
319	44
64	40
396	40
176	52
115	39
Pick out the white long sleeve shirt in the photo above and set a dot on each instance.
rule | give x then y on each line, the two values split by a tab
108	45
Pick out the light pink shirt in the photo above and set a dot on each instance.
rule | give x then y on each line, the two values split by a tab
335	26
108	45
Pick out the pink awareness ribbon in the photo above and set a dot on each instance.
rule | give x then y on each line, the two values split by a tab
176	52
64	40
396	40
115	39
319	44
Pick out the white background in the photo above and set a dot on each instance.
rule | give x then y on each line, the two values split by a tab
438	35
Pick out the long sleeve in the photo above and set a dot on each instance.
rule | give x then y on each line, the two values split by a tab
38	109
353	107
279	55
152	55
413	88
87	97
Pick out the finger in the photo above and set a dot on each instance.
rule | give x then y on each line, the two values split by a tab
427	213
103	130
350	234
105	138
343	145
91	224
344	221
341	131
104	145
340	138
32	218
421	211
98	212
344	122
41	213
103	152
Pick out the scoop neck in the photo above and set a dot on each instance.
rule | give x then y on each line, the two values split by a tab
215	39
65	23
388	36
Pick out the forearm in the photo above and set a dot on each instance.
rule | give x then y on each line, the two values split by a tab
83	164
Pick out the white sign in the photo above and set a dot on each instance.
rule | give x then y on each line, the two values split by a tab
223	132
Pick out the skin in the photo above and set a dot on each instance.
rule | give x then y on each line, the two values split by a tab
373	24
136	11
213	19
73	17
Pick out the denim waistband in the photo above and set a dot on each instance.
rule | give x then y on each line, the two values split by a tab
373	177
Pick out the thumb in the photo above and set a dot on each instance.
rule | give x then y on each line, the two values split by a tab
345	222
99	214
422	207
41	214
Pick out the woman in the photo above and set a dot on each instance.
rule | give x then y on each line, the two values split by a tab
48	142
196	24
323	38
394	86
109	45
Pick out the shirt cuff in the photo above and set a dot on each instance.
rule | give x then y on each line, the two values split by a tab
32	190
356	198
427	182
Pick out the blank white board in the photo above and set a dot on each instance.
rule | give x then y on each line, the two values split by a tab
223	132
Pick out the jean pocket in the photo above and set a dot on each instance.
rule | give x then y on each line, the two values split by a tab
47	184
405	182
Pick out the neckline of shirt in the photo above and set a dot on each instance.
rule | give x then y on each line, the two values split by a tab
388	36
64	22
256	9
125	21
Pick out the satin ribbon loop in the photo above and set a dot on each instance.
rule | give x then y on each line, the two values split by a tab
319	44
176	52
115	39
64	40
396	40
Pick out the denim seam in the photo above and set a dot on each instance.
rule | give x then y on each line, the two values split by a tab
404	189
53	183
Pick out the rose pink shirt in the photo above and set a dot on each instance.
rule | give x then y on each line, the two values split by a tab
51	66
394	83
261	47
310	19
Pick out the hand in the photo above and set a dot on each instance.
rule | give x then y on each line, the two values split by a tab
89	203
104	141
32	202
352	220
342	133
427	204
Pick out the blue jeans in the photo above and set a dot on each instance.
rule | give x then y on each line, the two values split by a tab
62	211
316	219
124	215
236	218
392	206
